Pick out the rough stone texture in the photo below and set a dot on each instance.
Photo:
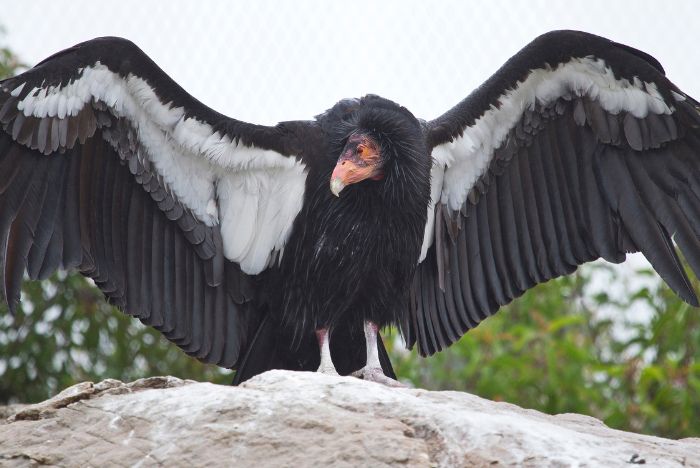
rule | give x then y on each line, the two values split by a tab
298	419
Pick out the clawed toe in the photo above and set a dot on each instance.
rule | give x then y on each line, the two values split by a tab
328	370
376	374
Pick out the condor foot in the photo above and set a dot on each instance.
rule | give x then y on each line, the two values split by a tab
376	374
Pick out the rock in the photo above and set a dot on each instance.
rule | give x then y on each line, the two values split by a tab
306	419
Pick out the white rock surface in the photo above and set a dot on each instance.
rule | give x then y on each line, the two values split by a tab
296	419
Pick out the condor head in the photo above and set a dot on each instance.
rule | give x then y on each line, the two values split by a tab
361	159
381	142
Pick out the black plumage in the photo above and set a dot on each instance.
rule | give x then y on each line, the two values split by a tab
250	246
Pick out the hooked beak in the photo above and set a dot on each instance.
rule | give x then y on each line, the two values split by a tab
350	170
337	185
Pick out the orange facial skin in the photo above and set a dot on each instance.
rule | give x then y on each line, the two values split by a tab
360	160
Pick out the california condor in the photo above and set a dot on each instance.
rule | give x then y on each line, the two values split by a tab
254	247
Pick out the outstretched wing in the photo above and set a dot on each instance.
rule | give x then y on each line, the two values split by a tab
108	166
577	148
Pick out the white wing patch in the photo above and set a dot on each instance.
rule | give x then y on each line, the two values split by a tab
254	194
462	161
258	209
467	157
437	172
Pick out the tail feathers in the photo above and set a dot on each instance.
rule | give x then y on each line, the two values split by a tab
384	359
267	350
258	356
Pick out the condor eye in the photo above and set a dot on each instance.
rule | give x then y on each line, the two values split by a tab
361	150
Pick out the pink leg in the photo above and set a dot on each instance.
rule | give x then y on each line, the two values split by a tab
324	345
373	368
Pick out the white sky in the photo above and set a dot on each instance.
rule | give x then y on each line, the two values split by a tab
266	61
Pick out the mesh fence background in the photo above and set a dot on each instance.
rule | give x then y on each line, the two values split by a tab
266	61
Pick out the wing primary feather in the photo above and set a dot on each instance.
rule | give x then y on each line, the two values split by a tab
231	340
180	277
510	227
528	227
116	224
441	321
197	317
577	252
454	290
549	202
102	171
183	317
9	110
22	234
54	255
409	324
690	205
207	327
158	274
108	269
556	197
145	229
575	166
11	200
465	273
423	344
429	306
215	267
166	274
492	281
477	275
666	211
219	327
449	312
646	233
439	245
72	248
10	162
498	242
133	260
85	207
536	202
599	216
46	225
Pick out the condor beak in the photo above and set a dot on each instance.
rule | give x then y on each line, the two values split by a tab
350	171
337	185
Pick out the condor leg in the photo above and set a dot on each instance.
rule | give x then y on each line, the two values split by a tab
373	368
324	346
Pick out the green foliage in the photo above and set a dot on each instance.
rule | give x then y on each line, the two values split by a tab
559	349
9	62
64	332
